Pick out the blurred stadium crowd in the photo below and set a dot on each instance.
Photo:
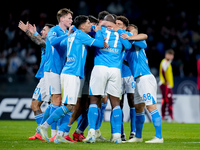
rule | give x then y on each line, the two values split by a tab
168	24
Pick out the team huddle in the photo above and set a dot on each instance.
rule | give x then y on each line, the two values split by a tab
82	67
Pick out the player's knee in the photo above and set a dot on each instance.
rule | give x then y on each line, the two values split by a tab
150	108
57	99
35	105
95	99
139	107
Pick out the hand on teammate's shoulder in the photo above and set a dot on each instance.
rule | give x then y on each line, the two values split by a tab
97	28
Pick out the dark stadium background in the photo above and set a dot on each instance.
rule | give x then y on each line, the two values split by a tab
168	23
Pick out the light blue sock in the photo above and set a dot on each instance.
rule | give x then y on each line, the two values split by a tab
67	128
140	118
54	124
57	114
101	114
133	118
38	118
98	124
92	116
46	114
116	120
156	119
83	121
64	121
103	108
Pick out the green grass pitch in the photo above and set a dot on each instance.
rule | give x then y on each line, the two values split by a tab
14	135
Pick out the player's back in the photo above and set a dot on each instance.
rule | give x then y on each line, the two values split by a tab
55	56
137	59
111	56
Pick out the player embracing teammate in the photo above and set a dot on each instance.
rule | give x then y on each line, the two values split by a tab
66	52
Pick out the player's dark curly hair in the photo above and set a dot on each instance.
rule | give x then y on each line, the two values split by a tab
124	20
80	20
93	19
102	14
49	25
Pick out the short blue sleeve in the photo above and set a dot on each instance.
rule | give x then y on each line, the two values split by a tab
142	44
86	39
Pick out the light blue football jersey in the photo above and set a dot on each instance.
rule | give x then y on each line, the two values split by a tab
40	72
125	71
111	56
136	57
77	43
55	55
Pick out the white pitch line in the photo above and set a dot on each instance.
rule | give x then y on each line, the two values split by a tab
190	142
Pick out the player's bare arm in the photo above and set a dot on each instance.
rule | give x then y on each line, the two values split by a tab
28	29
23	26
36	39
138	37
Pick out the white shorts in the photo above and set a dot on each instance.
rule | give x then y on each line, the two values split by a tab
128	85
70	88
146	90
105	80
40	92
52	83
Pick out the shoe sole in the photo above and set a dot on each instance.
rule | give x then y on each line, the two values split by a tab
134	141
44	137
77	139
89	141
57	141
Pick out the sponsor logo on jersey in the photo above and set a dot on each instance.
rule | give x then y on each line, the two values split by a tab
112	50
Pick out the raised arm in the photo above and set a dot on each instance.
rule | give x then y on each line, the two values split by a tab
137	40
35	37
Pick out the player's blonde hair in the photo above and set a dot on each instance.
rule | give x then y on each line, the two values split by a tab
62	12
